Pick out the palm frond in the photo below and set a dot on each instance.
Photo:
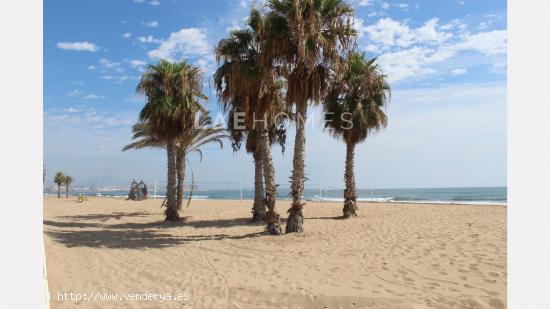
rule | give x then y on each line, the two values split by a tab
354	107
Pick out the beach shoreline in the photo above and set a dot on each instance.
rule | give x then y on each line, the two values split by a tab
325	200
393	255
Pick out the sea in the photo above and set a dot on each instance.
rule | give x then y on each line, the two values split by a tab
463	195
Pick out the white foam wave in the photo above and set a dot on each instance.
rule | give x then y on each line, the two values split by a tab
392	200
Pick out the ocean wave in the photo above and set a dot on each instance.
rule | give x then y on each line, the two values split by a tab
409	201
450	202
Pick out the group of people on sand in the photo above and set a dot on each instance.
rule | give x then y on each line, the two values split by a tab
138	191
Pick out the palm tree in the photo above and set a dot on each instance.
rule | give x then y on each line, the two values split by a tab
68	181
244	87
59	179
277	134
237	137
307	37
191	140
173	91
353	110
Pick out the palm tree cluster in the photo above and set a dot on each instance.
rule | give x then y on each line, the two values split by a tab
61	179
291	55
294	54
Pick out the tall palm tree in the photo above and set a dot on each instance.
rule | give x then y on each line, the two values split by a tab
59	179
173	91
244	87
354	108
307	37
68	181
191	140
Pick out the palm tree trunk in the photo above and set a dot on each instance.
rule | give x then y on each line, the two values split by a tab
258	209
272	218
350	203
180	170
67	191
171	207
58	191
295	222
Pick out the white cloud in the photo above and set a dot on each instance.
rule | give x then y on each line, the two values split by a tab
127	35
117	79
139	1
359	26
137	63
148	39
106	63
459	71
71	110
390	32
365	2
151	24
372	48
406	52
93	96
499	67
186	42
411	62
78	46
429	33
244	3
402	6
86	118
154	2
77	93
385	5
74	93
91	67
488	43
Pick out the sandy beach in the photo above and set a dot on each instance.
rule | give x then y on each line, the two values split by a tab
390	256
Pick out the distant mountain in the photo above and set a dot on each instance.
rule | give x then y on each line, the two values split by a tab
104	180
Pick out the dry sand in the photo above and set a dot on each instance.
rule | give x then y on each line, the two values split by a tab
391	256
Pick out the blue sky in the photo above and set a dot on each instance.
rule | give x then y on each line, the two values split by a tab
446	61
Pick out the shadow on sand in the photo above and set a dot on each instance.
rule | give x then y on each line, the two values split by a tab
131	239
86	231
